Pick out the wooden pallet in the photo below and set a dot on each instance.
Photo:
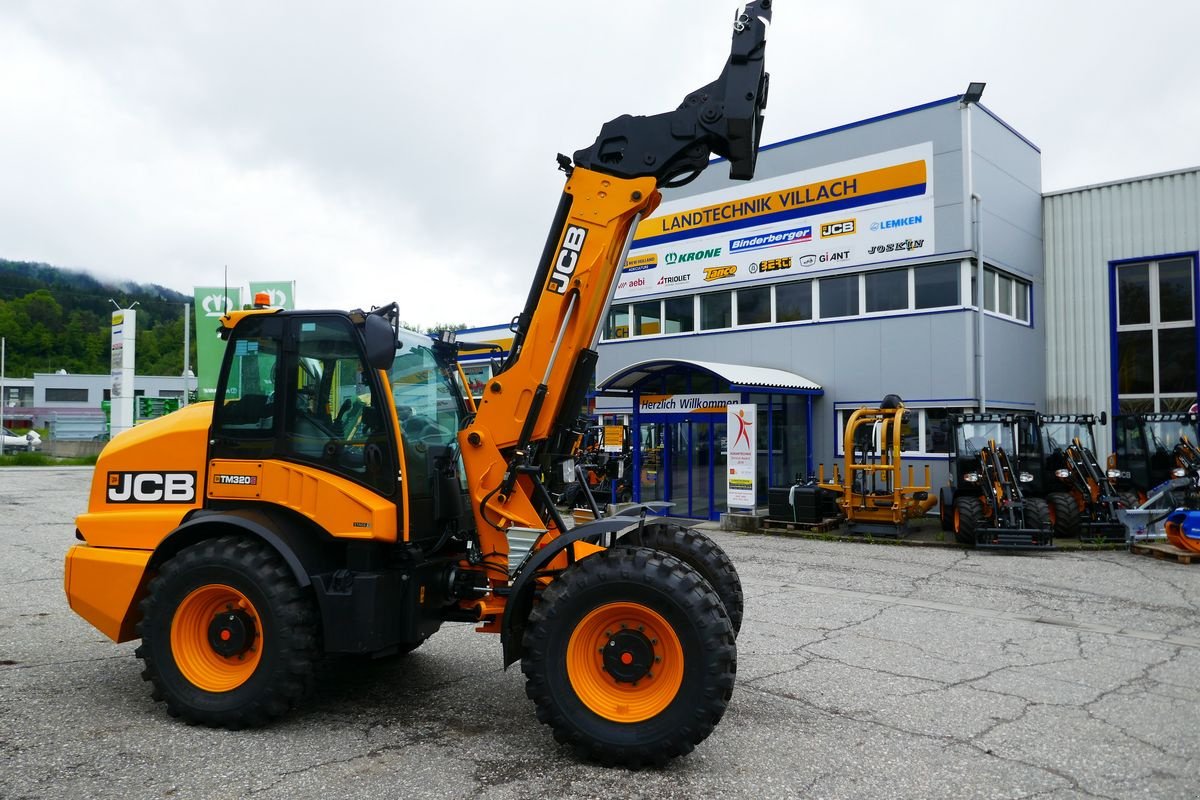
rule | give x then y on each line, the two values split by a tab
781	525
1164	551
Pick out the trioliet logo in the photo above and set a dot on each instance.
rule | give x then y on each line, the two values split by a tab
717	273
151	487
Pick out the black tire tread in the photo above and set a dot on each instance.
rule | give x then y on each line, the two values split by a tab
297	644
701	553
1037	514
1066	514
970	520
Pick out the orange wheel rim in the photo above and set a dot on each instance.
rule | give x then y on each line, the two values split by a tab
625	662
216	638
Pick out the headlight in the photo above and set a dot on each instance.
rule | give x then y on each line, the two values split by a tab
1063	473
1114	473
1179	472
971	477
1026	477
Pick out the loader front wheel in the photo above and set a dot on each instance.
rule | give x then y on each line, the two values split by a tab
968	518
228	637
630	657
705	556
1064	511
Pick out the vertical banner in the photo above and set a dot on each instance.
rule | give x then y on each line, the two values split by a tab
124	340
743	455
211	302
282	293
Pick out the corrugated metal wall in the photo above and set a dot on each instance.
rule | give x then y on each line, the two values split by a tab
1085	229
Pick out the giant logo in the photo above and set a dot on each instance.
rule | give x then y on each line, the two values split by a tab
568	257
695	255
151	487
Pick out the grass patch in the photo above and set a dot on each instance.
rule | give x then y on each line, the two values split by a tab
39	460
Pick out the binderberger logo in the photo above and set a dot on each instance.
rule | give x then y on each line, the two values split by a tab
151	487
568	257
717	273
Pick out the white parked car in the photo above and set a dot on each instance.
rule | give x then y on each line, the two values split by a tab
16	442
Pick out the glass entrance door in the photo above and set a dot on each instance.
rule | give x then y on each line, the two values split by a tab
683	462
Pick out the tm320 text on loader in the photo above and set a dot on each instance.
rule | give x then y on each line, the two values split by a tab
342	495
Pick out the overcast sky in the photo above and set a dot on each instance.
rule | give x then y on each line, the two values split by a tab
387	150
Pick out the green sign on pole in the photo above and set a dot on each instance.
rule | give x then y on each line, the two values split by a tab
211	302
282	293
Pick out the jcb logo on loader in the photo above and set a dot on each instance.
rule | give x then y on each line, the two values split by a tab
564	264
151	487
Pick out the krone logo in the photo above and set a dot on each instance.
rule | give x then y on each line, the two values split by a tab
717	273
695	255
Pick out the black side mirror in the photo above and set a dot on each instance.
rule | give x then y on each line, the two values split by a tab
1103	417
380	341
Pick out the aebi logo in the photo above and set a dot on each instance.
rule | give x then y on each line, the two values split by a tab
568	256
151	487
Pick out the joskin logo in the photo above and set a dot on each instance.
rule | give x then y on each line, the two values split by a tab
695	255
898	247
568	257
151	487
216	305
839	228
235	480
719	273
772	265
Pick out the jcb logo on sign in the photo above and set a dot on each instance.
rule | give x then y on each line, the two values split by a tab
840	228
151	487
568	256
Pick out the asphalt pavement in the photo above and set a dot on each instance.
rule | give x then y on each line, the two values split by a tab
864	671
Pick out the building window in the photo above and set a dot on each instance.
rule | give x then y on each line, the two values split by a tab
1005	296
887	291
716	311
618	323
924	432
936	286
66	395
1156	336
839	296
793	301
647	318
679	315
754	305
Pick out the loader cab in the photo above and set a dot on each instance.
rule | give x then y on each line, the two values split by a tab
304	387
1017	434
1145	446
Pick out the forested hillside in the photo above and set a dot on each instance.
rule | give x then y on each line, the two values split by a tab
56	319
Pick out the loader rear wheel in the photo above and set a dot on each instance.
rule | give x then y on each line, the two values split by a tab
705	556
1037	514
968	517
630	657
1065	513
228	637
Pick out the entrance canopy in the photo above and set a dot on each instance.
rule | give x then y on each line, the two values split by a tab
740	377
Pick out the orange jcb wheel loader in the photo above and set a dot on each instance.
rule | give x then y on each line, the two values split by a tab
343	495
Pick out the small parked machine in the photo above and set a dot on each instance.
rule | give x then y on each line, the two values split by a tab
873	493
986	504
1151	449
1082	494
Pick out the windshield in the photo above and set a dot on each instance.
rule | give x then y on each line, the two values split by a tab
974	436
1164	434
1060	435
427	404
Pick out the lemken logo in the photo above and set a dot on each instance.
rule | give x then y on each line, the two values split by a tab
900	222
151	487
695	255
717	273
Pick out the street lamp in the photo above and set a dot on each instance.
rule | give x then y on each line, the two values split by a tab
973	93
